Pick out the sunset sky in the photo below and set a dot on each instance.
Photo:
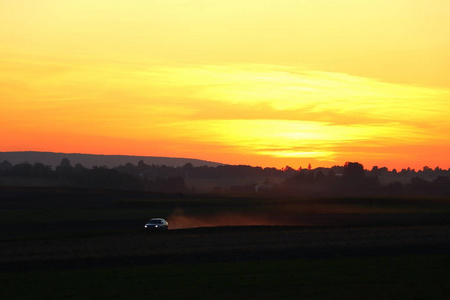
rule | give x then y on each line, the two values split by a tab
265	83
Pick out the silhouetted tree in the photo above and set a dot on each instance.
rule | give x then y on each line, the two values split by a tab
5	166
23	169
64	169
353	170
41	170
289	171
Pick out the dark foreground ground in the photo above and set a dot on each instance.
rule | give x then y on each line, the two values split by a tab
223	244
54	251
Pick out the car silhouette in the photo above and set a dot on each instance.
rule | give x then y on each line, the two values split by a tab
157	224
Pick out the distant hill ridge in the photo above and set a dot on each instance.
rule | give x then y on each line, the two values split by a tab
90	160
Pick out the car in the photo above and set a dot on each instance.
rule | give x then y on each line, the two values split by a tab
157	224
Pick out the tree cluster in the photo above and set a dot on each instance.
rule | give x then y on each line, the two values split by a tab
353	180
348	180
96	177
189	171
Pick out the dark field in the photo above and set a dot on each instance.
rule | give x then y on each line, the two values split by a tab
89	244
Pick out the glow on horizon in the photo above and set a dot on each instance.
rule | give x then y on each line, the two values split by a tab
202	80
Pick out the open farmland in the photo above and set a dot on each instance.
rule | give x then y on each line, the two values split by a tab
91	244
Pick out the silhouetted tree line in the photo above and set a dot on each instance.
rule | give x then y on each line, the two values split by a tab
353	180
97	177
348	180
189	171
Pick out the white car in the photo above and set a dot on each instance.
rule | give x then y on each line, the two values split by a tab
157	224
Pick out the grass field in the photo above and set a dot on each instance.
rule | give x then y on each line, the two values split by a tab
75	244
408	277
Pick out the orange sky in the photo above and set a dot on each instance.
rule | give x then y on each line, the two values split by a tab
263	83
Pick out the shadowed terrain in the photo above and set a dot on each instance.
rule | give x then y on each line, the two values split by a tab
80	231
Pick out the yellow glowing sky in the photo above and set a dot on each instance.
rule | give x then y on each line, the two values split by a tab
264	83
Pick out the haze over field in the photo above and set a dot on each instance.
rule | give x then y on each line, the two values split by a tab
265	83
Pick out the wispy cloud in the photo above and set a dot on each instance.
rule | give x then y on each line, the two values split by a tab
266	110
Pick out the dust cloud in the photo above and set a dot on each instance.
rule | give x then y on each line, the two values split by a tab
179	220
